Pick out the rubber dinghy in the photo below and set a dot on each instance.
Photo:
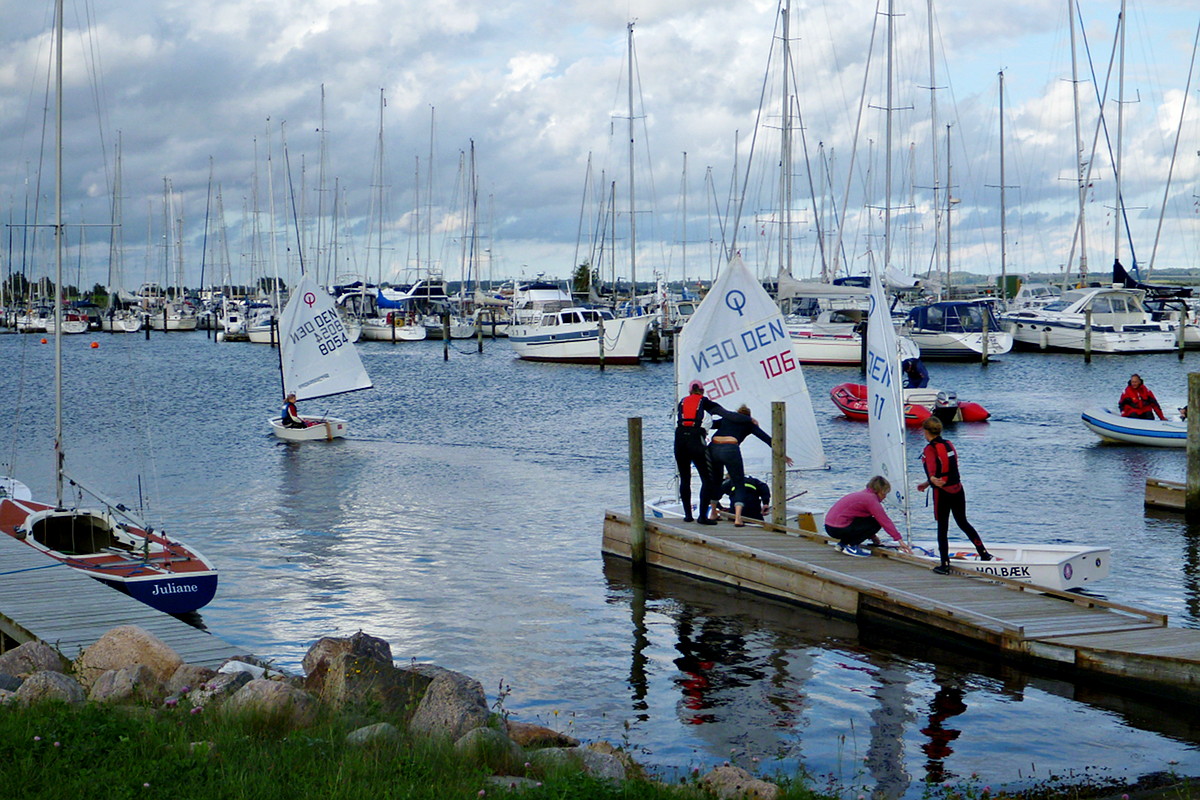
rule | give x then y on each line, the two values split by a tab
1112	427
919	405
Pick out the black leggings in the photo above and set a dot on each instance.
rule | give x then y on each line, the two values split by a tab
690	450
946	504
728	457
861	529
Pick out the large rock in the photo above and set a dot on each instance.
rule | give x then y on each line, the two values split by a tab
284	704
453	704
217	689
48	685
9	683
490	748
602	765
186	678
328	648
527	734
136	684
379	732
729	782
126	646
359	680
31	657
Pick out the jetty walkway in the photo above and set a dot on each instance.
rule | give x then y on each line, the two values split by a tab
48	601
1070	633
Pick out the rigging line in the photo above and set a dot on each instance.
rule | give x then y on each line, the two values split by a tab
1171	170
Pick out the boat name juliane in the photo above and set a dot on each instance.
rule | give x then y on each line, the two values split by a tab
175	588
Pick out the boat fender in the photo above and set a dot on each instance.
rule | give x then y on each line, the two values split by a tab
389	318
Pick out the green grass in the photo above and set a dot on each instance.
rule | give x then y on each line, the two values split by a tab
52	751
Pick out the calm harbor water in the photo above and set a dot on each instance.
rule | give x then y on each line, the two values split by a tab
462	523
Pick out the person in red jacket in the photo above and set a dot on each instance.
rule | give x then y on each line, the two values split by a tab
941	470
1138	401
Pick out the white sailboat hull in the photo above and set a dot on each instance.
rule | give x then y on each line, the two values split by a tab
319	428
1060	567
968	345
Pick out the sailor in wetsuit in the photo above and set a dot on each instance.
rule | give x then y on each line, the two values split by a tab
756	496
725	453
691	449
941	469
291	417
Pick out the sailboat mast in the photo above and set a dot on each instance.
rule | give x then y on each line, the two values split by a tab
887	178
1079	165
59	456
632	217
1003	214
1120	210
933	129
785	148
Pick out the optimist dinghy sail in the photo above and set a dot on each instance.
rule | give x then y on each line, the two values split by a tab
316	359
737	345
885	401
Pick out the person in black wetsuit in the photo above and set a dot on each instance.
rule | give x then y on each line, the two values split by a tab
756	496
691	447
725	453
941	470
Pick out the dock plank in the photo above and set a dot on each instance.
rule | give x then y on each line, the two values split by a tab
70	611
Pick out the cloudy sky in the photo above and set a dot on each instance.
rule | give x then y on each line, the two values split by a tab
205	93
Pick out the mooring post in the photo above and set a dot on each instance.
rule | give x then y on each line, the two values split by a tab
983	358
1087	336
446	336
600	337
778	463
1182	325
1191	503
862	349
637	495
479	330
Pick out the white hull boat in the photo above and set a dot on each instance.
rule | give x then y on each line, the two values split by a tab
120	323
572	335
319	428
954	330
1112	427
1120	323
1053	566
379	329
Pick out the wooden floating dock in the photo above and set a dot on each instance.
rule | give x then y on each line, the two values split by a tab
1086	637
1169	495
43	600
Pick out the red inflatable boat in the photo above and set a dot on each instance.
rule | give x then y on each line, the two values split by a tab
851	400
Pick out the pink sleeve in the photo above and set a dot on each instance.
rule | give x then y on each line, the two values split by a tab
882	518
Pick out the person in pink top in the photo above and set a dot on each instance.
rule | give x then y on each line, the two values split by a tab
859	516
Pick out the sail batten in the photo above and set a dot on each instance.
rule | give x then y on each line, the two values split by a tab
737	345
316	355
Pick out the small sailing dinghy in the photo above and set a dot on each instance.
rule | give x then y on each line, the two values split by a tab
107	542
1112	427
316	359
737	345
1059	567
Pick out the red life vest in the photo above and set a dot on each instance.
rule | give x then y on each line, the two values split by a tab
690	415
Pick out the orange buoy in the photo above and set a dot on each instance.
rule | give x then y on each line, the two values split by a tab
43	340
95	345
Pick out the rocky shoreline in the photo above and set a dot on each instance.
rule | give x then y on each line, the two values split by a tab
130	666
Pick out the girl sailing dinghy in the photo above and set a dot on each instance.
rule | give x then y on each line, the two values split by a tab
737	345
1059	567
316	359
108	543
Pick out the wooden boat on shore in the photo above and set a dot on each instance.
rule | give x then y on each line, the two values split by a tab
1112	427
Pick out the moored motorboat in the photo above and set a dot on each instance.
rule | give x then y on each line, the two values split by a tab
1111	426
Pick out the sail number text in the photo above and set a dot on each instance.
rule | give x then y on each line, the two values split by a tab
327	328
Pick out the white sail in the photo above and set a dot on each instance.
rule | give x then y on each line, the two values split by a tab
885	400
316	355
737	345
